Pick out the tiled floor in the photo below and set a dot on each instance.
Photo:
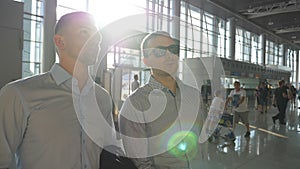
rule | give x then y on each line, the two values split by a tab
269	146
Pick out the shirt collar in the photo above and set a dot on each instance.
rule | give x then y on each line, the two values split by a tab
157	85
59	74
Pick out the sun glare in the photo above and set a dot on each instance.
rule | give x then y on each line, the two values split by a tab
112	10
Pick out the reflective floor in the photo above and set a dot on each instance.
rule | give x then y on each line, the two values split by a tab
269	146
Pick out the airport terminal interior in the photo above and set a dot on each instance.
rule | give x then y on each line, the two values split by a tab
221	41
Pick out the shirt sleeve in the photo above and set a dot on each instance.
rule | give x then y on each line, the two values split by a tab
230	94
107	126
134	135
111	137
243	94
12	124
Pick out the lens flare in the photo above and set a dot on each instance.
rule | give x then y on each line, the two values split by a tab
183	145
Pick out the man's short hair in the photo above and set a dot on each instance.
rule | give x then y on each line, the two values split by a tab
152	35
237	82
65	19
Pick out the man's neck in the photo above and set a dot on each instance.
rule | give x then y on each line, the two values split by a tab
167	81
80	72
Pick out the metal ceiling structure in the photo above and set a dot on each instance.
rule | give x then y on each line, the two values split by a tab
278	17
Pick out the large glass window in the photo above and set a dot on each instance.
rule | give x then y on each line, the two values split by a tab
274	53
208	48
291	63
190	29
269	52
227	38
33	37
255	49
247	46
243	45
289	57
222	37
66	6
280	54
239	44
204	34
108	11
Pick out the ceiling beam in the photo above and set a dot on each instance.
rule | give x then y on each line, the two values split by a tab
243	18
296	41
288	30
278	8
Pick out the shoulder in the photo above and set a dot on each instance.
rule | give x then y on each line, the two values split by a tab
102	95
183	87
101	91
13	93
217	100
141	93
243	91
32	82
140	98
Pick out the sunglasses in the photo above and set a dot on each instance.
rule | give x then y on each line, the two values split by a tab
161	51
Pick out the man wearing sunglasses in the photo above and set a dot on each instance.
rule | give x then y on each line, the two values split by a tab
160	122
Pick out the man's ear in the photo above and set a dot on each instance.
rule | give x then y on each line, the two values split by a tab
59	41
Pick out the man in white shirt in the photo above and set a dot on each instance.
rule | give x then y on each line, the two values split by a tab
237	97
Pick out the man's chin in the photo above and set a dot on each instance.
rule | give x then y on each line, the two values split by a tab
88	61
165	73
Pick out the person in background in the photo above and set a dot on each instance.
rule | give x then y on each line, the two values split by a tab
237	97
292	95
263	98
256	94
216	110
42	116
280	100
135	84
160	122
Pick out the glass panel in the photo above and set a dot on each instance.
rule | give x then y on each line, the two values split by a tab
116	9
71	4
276	54
228	39
221	33
247	46
254	48
239	44
33	37
30	68
280	55
260	50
